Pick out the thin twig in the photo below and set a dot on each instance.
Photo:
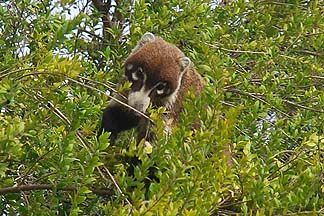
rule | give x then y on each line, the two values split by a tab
271	175
156	202
255	97
33	187
314	34
101	83
302	106
59	114
15	71
31	168
105	85
284	100
309	52
92	34
117	186
295	41
65	119
316	77
228	104
283	3
237	128
246	51
259	80
225	212
89	87
321	211
237	51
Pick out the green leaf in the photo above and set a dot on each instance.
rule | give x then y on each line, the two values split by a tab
103	141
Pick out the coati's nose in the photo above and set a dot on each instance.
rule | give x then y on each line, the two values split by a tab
138	100
139	107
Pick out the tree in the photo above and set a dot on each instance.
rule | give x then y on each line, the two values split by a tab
263	61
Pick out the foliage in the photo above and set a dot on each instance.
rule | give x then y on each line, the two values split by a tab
263	61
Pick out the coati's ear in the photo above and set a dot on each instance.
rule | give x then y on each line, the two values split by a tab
147	37
185	62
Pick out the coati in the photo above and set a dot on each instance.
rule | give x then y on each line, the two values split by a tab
161	75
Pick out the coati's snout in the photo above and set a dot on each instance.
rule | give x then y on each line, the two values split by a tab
140	100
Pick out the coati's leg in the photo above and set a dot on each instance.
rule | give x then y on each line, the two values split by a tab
144	131
116	119
151	176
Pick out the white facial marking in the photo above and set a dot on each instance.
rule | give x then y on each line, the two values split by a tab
140	100
134	76
185	62
159	92
137	73
160	87
173	97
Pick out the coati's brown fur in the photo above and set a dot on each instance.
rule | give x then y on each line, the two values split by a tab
161	75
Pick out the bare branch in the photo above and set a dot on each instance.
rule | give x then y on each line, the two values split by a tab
92	34
317	77
319	212
61	116
5	73
255	97
89	87
314	34
247	51
302	106
117	186
309	52
33	187
284	100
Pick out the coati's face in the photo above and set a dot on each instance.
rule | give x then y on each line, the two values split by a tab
155	68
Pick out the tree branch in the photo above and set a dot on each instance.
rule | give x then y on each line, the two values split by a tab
319	212
118	187
302	106
89	87
308	52
60	115
255	97
33	187
246	51
233	90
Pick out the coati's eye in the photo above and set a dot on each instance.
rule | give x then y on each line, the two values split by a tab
162	88
138	74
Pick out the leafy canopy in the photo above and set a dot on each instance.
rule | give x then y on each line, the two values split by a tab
262	60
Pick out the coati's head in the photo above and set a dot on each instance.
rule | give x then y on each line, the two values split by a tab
155	68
